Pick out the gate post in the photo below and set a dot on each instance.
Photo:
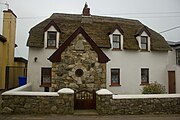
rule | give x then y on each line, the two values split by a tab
66	96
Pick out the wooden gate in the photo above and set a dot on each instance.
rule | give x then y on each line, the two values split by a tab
85	99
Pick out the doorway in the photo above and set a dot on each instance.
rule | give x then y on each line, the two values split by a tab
172	82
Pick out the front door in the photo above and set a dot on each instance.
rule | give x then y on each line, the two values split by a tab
172	83
85	99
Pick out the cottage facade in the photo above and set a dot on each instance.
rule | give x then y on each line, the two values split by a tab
88	52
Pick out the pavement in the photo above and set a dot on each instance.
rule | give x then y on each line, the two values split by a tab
85	117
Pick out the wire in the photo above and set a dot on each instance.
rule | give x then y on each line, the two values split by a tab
170	29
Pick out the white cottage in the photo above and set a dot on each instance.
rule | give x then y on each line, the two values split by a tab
88	52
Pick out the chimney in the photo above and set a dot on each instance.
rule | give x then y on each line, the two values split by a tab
86	10
9	31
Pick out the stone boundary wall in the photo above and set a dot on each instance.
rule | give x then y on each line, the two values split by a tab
61	102
109	104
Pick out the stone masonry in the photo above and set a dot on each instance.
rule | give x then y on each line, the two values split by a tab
106	105
79	68
62	104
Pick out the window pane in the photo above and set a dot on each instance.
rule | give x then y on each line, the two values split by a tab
52	35
46	75
115	76
143	46
143	39
116	38
144	75
178	56
51	42
116	41
116	45
51	39
178	52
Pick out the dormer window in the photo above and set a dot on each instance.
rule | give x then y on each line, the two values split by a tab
144	43
143	38
116	37
51	35
51	38
116	41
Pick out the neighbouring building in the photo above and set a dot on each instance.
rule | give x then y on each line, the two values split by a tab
7	47
174	67
89	52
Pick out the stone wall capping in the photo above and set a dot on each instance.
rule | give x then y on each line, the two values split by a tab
66	91
139	96
104	92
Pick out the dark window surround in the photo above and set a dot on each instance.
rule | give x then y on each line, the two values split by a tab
118	75
178	56
117	42
144	42
48	84
54	36
146	70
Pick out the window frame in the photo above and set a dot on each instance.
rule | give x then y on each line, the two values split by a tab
117	83
178	56
144	43
119	42
49	39
46	84
147	77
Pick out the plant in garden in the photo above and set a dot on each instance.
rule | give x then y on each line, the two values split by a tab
153	88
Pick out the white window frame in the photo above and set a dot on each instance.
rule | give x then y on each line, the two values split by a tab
144	34
51	29
116	32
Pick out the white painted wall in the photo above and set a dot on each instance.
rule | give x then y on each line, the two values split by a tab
130	63
34	68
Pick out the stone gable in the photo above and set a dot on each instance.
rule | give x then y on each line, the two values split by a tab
79	68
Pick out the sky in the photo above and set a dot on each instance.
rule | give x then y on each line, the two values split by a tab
159	15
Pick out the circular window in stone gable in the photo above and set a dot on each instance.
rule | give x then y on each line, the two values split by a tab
79	72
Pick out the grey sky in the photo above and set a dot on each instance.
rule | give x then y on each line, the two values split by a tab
159	15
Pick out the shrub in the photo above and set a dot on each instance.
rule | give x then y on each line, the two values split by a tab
153	88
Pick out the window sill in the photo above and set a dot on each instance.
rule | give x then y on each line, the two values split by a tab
50	48
144	50
116	49
144	84
45	85
114	85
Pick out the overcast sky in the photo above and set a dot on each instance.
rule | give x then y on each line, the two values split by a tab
159	15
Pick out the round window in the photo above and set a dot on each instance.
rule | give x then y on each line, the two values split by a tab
79	72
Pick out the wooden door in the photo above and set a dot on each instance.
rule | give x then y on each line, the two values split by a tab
172	83
85	100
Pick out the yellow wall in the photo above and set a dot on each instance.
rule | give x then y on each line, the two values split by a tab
9	31
7	48
2	65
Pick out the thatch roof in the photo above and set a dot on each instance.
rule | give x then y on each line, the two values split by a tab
98	28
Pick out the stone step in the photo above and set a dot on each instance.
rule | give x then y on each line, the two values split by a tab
90	112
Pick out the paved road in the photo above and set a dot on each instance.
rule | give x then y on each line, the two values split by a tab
74	117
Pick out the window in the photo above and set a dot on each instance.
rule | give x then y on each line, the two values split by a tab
115	77
144	42
116	41
178	56
51	39
45	77
144	76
